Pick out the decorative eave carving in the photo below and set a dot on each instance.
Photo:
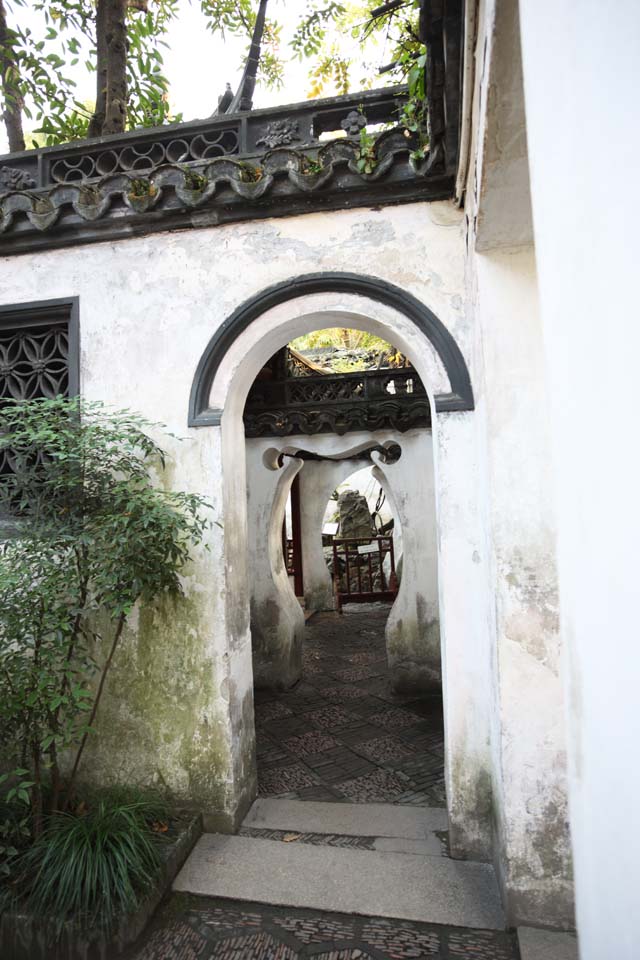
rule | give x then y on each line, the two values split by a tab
387	415
282	181
12	178
204	173
279	133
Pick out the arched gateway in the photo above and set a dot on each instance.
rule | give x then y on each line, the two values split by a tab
231	361
460	396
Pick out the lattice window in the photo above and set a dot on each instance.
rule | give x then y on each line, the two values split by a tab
142	158
39	355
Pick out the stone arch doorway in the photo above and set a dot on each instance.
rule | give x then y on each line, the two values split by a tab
224	376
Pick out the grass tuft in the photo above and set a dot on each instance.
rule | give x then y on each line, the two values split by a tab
93	867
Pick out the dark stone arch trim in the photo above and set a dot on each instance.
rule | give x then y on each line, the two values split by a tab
460	397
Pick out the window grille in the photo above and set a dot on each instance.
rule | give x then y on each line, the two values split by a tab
39	355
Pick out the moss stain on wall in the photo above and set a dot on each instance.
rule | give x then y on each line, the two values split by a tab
161	720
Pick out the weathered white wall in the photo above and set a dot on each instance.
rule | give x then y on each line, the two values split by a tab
529	744
587	254
528	740
179	706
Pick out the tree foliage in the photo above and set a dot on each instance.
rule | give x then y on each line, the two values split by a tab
122	43
353	349
339	38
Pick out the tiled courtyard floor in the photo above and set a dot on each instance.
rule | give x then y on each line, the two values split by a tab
341	733
195	928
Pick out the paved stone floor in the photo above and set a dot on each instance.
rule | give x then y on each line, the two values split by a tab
341	733
196	928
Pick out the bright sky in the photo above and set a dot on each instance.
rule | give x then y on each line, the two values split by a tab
199	64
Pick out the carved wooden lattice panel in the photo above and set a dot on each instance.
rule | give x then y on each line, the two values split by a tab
325	390
38	356
337	403
34	362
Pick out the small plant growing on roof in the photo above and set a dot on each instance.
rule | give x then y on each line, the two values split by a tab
249	173
366	159
194	180
311	165
414	115
141	188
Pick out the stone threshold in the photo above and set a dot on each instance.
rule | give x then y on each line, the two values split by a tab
430	889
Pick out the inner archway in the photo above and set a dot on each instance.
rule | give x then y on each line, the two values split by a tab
341	731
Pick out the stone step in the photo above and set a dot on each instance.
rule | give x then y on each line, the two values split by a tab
367	882
538	944
347	819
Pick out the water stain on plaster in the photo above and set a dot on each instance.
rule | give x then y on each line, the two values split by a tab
267	244
413	650
534	622
370	233
539	877
470	806
276	647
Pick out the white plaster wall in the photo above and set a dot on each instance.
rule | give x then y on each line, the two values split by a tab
587	252
148	307
498	197
528	740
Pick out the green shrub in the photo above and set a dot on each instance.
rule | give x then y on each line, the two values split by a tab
92	867
96	536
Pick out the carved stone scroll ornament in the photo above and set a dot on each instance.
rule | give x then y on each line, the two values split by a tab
279	133
353	123
13	179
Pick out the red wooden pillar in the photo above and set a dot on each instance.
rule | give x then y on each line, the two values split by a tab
296	535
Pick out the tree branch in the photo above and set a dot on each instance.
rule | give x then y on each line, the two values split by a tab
10	81
99	114
116	59
116	638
